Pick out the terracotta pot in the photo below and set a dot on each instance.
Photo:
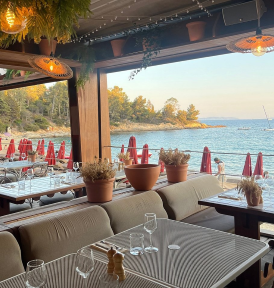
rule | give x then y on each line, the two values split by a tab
128	162
46	46
32	158
117	47
99	191
22	73
196	30
142	176
176	173
255	201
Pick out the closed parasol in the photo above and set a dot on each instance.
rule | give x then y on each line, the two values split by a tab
247	168
206	161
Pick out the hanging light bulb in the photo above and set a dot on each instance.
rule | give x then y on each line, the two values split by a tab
258	45
11	23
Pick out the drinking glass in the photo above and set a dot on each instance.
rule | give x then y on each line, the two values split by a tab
150	226
136	243
75	166
30	174
23	156
21	184
12	156
259	179
109	281
50	173
57	181
36	274
84	263
68	175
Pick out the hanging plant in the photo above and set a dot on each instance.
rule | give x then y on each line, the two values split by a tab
49	18
151	41
11	73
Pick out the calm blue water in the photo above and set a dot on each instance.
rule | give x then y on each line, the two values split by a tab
228	139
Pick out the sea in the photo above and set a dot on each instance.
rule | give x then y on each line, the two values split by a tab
219	141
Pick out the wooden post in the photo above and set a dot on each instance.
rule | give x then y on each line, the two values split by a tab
89	117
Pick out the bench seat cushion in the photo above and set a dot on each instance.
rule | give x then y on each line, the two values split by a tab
181	199
129	212
210	218
58	236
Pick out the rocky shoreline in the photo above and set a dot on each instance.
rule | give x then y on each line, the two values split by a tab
123	127
136	127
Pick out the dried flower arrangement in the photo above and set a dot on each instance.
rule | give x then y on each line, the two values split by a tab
124	156
32	152
175	157
98	170
250	189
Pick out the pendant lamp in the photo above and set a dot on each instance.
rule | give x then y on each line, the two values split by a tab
11	23
51	66
258	45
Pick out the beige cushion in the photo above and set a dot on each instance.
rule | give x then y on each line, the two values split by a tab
129	212
55	237
210	218
181	199
10	256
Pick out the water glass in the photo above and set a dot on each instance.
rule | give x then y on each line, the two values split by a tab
84	262
51	174
109	281
12	156
75	166
57	181
150	226
23	156
21	184
136	243
36	274
68	175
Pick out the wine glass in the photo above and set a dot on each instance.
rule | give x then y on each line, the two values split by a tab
23	156
36	274
12	156
84	263
50	173
150	226
75	166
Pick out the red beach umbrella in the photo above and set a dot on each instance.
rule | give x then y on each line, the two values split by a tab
162	164
70	162
50	158
23	149
29	145
0	144
206	161
122	150
61	153
20	145
38	147
11	148
42	148
247	168
132	150
145	157
259	165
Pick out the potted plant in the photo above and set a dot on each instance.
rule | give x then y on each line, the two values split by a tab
47	46
251	190
125	158
142	177
176	164
98	177
118	46
32	155
196	30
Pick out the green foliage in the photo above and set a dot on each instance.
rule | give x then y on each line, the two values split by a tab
142	110
41	122
2	127
31	127
49	18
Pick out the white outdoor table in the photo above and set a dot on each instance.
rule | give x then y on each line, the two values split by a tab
35	188
61	273
206	258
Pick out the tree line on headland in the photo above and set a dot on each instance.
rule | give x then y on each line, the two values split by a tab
142	110
39	107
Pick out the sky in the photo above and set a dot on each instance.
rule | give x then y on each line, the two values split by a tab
232	85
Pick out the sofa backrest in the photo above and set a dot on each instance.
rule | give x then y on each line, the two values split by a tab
181	199
10	256
61	235
129	212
